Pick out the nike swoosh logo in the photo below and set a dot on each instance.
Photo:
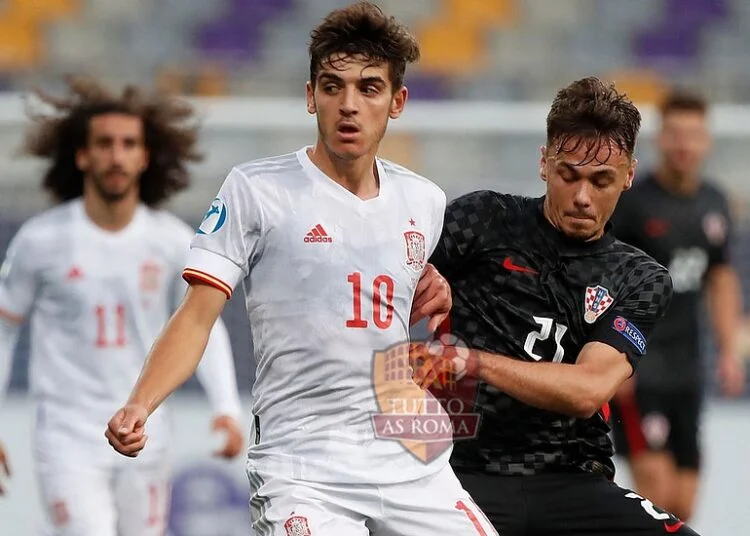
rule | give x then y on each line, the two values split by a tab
673	528
508	264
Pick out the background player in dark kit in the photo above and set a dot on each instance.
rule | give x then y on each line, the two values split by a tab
683	222
557	313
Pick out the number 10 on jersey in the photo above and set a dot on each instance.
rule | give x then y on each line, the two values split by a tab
381	308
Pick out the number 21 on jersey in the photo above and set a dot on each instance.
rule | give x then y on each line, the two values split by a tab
381	308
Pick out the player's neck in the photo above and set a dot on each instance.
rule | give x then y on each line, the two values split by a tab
359	176
676	183
110	215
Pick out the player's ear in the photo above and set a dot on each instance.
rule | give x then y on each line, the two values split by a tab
543	163
398	102
310	97
82	160
631	175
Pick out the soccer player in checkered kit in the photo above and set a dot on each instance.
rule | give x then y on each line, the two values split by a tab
330	244
554	315
98	276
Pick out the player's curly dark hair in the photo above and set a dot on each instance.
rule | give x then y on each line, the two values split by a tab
170	136
363	29
592	112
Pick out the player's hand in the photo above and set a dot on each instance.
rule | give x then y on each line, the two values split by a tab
4	467
231	427
731	372
432	298
126	430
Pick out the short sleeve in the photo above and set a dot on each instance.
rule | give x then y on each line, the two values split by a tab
438	214
19	275
464	225
227	241
719	230
629	324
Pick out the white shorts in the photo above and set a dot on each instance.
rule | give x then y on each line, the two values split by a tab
124	499
432	506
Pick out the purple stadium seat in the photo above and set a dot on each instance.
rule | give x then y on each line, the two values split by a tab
237	33
677	36
426	87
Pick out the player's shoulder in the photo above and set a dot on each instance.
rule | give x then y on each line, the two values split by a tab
637	266
167	224
712	193
46	226
269	167
496	202
410	178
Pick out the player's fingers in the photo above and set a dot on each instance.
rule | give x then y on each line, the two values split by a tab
5	463
435	322
130	423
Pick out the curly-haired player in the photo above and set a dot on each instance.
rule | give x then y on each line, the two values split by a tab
98	276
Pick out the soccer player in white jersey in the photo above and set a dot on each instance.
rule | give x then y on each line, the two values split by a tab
329	243
99	275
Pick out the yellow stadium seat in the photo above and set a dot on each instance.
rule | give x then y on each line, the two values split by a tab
211	81
640	85
42	10
451	48
20	44
483	13
399	147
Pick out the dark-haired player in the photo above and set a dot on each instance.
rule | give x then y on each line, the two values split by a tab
683	222
98	276
558	314
330	243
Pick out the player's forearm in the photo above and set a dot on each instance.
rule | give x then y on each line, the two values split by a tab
172	360
9	333
725	303
558	387
217	374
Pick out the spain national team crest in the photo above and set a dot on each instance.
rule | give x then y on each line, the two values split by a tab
425	422
597	300
415	250
150	276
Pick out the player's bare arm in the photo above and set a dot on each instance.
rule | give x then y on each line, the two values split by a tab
4	467
578	390
172	360
725	303
432	298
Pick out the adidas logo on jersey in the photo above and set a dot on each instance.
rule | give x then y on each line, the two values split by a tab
318	235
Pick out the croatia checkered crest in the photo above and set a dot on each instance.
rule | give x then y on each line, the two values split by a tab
597	301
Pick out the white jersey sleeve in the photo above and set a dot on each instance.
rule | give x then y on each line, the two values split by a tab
19	274
229	239
216	371
437	220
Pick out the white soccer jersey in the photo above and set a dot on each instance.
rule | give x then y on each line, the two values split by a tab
97	300
329	280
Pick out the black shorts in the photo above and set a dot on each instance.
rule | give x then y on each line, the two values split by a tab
567	504
660	421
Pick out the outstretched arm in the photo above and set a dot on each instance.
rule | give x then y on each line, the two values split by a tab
173	358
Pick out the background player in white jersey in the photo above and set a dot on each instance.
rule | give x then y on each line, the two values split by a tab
98	275
330	243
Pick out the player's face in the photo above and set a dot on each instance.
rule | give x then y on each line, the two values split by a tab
582	187
114	156
684	141
353	99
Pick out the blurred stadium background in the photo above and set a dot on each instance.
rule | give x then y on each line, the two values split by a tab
476	120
